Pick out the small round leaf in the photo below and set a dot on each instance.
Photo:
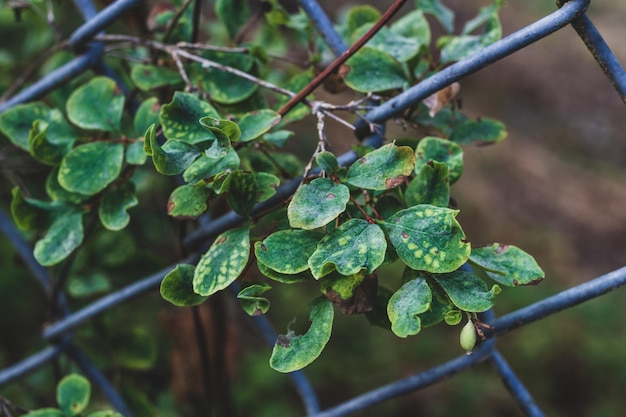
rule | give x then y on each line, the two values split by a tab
177	287
88	169
73	394
97	105
316	204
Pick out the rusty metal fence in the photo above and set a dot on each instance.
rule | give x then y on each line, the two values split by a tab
89	55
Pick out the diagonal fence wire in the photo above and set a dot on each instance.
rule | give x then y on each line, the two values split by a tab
571	12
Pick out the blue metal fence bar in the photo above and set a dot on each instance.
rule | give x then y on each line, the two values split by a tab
97	378
414	382
492	53
324	26
100	21
602	53
30	364
25	252
565	299
515	386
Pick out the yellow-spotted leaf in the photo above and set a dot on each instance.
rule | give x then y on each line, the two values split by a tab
428	238
316	204
17	122
223	262
293	352
467	291
188	201
64	235
88	169
180	118
287	251
256	123
485	131
405	305
433	149
507	265
372	70
173	157
251	301
383	168
242	192
149	77
354	246
430	186
97	105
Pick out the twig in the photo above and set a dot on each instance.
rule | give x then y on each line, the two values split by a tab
175	19
181	70
287	107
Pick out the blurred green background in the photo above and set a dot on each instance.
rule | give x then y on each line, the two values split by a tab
554	187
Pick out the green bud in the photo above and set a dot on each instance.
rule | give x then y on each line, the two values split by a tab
468	337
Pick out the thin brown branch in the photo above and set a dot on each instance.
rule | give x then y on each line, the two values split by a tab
287	107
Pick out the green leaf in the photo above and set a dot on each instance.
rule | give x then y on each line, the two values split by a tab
256	123
250	300
405	305
455	48
354	294
278	138
430	186
440	150
428	238
134	348
88	285
467	292
413	25
149	77
224	87
444	15
17	122
440	307
507	265
177	287
242	192
64	235
173	157
233	14
316	204
147	114
73	394
293	352
350	248
453	317
57	193
42	149
399	47
266	185
284	278
485	14
372	70
484	131
180	118
225	126
45	412
97	105
383	168
135	153
287	251
88	169
105	413
327	162
32	214
358	16
115	203
223	262
188	201
204	167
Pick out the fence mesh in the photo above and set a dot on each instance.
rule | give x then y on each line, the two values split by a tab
88	56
